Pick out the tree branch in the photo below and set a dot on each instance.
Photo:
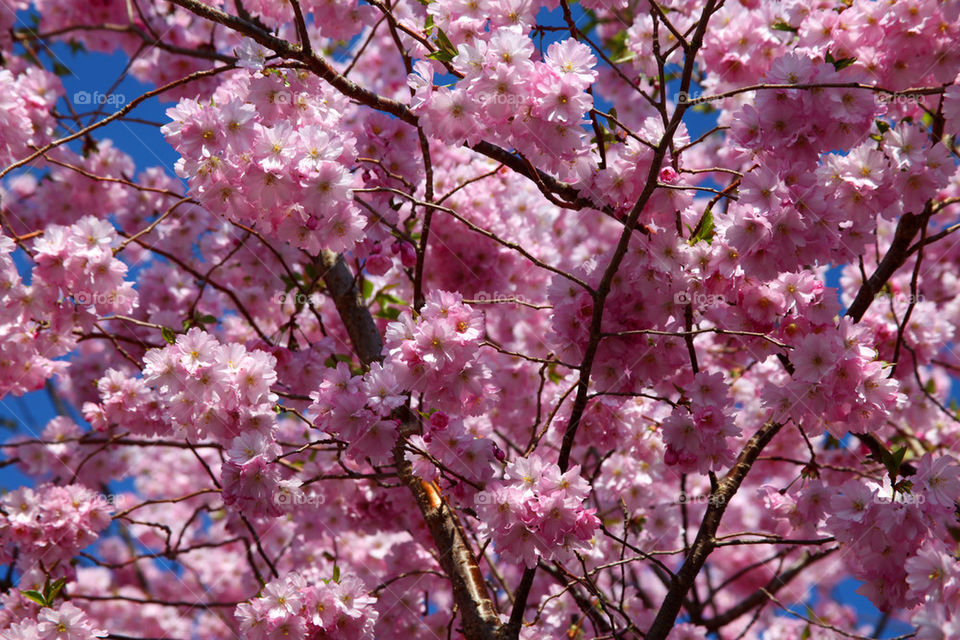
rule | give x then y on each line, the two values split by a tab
706	541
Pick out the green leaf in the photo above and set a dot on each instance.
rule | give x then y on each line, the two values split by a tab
288	283
389	313
36	596
428	25
842	63
832	443
336	573
705	229
626	57
780	25
51	591
207	319
383	298
892	461
882	126
61	69
444	43
168	335
441	56
553	376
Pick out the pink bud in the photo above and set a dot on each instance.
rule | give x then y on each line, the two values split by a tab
439	420
377	265
670	456
668	175
408	255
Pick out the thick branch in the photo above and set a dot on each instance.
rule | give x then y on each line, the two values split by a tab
478	615
896	255
760	596
479	618
706	541
354	314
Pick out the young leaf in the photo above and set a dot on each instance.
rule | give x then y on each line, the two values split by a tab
780	25
704	229
440	56
843	63
51	591
168	335
444	43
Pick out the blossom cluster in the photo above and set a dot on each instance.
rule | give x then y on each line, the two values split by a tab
65	622
265	154
537	512
76	277
290	607
437	354
79	261
43	528
534	106
696	436
837	383
205	388
357	409
893	530
60	455
828	118
28	98
934	580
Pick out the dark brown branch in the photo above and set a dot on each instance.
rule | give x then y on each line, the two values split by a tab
705	541
759	597
355	315
908	227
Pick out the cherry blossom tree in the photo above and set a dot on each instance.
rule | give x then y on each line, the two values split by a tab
489	319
